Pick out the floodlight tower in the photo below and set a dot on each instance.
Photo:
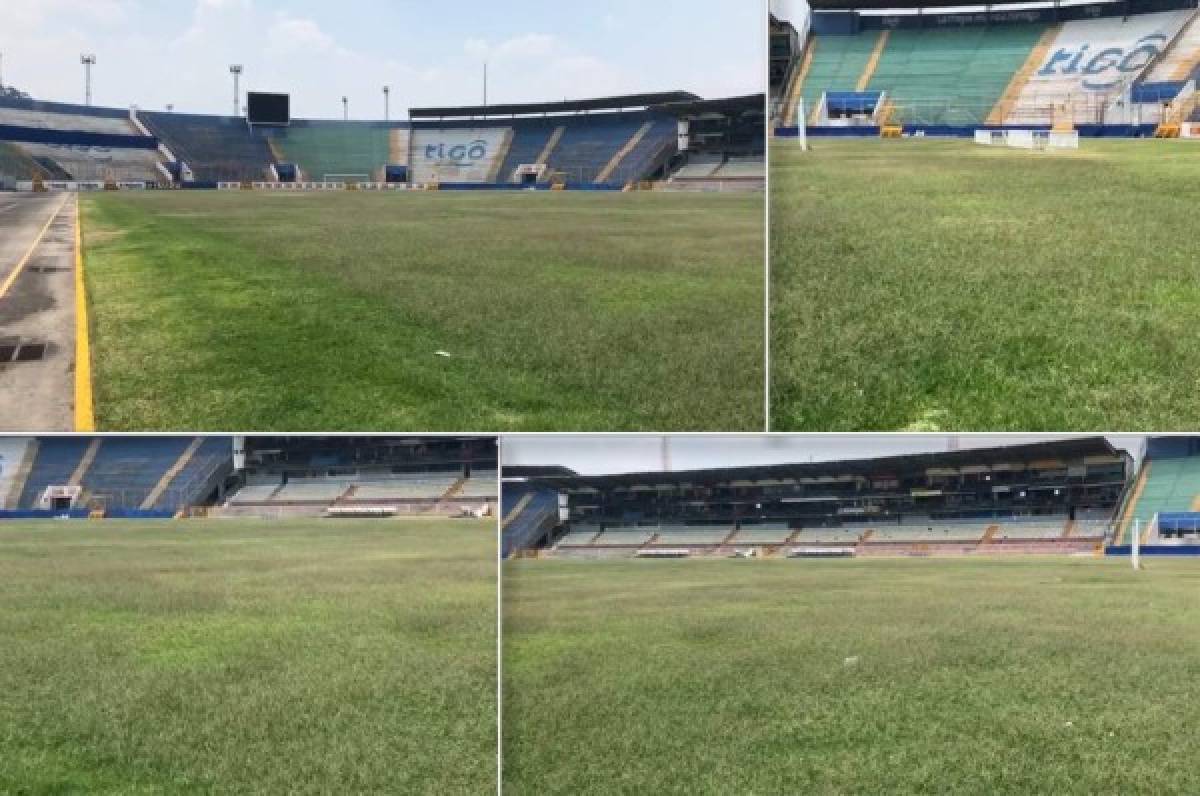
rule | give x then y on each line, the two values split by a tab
88	60
387	90
236	71
345	109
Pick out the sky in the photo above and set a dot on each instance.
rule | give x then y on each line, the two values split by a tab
615	453
154	52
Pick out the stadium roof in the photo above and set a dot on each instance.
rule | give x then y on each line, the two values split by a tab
913	462
727	105
566	106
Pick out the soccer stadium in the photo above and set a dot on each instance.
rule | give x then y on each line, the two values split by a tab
248	614
978	215
579	263
945	613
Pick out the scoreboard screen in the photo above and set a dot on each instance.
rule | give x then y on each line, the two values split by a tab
272	109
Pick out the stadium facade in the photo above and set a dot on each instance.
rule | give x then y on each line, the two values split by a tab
1101	69
610	143
1049	497
224	476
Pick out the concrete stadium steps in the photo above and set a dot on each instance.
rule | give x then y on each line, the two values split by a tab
589	143
836	64
685	536
530	140
1170	485
1182	58
210	460
535	515
99	163
15	463
56	459
327	148
794	89
951	75
15	162
761	535
1084	89
1033	61
71	122
125	470
215	147
481	484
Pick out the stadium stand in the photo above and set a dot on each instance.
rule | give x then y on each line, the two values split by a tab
1169	481
214	147
530	515
324	148
1088	66
15	463
96	163
124	476
1052	497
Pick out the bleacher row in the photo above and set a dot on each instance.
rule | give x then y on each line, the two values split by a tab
609	149
161	474
1002	72
978	532
369	488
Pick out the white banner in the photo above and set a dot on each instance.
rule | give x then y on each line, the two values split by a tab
458	154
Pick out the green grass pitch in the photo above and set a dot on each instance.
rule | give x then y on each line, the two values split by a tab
232	656
561	311
942	285
1029	675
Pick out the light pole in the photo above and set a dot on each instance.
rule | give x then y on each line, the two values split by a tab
236	71
345	109
170	108
386	91
88	60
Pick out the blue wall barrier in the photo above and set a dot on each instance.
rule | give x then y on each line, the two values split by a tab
1154	550
956	131
41	135
82	514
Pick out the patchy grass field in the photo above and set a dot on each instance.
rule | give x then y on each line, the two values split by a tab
894	676
247	657
942	285
563	311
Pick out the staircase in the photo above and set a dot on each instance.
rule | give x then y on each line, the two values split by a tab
792	98
1037	57
454	489
616	159
170	474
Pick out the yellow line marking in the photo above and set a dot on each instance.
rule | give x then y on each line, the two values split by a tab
16	272
872	64
85	418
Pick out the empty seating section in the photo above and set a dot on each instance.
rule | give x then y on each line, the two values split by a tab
1030	529
56	460
311	489
698	167
322	149
659	142
743	167
579	535
254	493
481	484
530	137
1172	485
12	459
843	536
673	535
1181	60
837	64
1080	82
127	468
18	164
209	462
43	120
589	143
625	537
934	532
99	163
1087	529
951	76
539	515
762	535
215	147
411	486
